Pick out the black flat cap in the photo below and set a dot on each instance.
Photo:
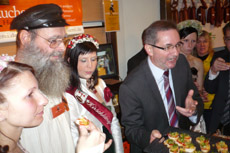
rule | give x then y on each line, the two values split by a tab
39	16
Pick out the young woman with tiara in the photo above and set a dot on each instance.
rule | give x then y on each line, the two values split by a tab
88	95
189	31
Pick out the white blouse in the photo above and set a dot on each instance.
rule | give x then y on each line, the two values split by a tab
77	111
52	136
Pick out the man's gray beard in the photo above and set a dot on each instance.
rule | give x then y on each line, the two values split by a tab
52	76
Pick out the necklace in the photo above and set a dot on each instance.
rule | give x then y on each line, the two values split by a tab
90	85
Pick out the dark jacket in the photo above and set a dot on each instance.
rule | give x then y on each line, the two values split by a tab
219	86
142	107
136	60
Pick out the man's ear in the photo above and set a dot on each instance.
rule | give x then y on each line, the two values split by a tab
24	37
148	49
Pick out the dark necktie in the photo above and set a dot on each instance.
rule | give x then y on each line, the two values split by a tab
226	113
171	105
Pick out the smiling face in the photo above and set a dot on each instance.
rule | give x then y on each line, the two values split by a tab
189	43
161	58
46	38
87	64
25	102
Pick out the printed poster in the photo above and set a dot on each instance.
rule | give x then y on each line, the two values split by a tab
111	15
9	9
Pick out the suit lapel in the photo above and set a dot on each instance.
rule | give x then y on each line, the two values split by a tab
176	81
153	86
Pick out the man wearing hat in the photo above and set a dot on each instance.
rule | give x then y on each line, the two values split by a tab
40	38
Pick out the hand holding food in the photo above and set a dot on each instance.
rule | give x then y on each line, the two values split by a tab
90	137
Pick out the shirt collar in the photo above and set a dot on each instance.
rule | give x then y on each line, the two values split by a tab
156	71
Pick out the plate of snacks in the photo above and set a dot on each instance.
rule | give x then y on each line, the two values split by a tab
185	141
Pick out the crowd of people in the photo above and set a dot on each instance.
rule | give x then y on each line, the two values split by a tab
210	75
40	44
176	80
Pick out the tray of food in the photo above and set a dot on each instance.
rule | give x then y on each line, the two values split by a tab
177	140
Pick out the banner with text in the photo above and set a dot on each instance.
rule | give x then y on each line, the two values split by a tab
72	12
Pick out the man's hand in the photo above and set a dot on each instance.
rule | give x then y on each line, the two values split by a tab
155	134
219	65
190	105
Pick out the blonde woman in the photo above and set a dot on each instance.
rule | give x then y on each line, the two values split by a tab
205	52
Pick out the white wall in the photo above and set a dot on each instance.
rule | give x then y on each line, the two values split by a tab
135	16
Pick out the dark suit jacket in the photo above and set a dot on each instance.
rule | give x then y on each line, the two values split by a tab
219	87
136	60
142	107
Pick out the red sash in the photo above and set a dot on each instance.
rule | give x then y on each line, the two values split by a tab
102	113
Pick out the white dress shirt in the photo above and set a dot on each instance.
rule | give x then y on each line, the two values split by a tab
158	75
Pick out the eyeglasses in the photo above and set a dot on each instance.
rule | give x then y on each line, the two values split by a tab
54	43
169	47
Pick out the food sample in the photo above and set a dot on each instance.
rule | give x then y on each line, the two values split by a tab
222	147
82	121
189	147
227	63
181	141
169	142
174	148
205	147
202	139
173	135
186	137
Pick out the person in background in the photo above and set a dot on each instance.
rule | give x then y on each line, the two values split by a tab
146	111
188	31
21	103
134	61
217	82
204	51
88	95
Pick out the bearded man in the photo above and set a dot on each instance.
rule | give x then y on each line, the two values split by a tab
40	43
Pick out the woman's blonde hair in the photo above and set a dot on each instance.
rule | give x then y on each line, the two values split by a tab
207	36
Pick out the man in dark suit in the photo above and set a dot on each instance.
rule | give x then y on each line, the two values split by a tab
144	107
134	61
217	82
